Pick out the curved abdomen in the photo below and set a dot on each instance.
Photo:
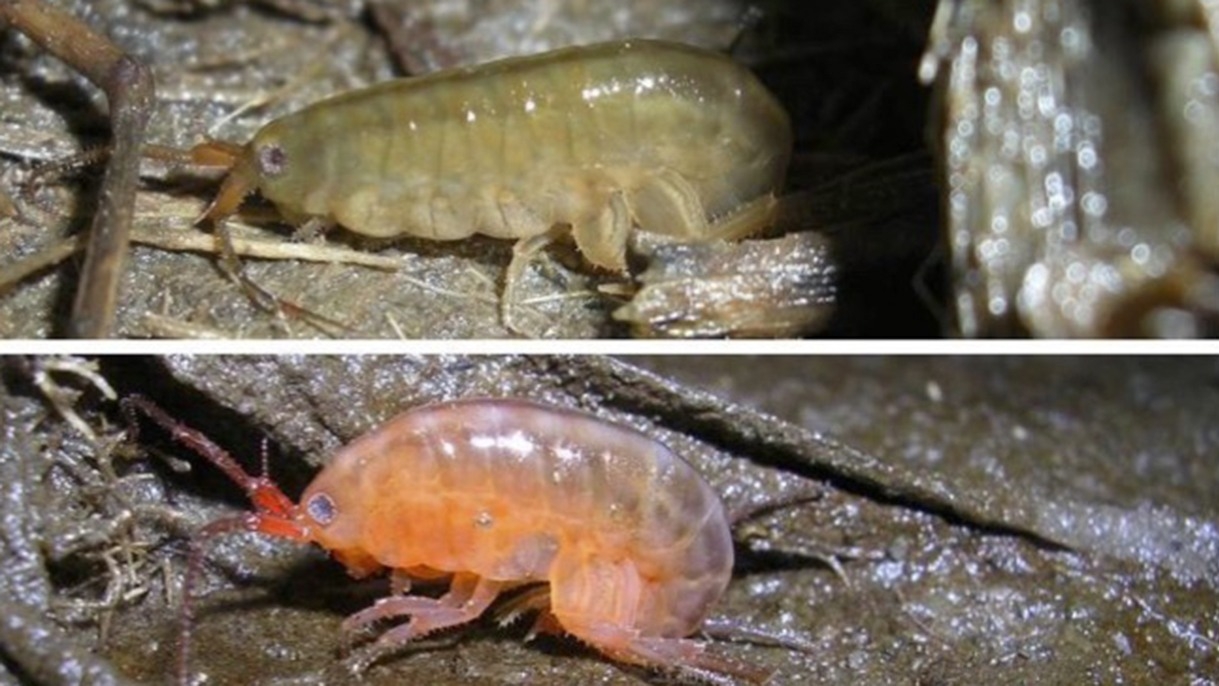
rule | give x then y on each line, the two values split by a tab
511	148
513	490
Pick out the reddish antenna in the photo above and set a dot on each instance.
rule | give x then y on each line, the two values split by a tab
275	514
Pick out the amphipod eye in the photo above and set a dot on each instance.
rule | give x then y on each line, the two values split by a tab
271	160
321	508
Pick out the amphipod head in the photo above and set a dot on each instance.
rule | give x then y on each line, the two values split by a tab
331	509
274	513
274	162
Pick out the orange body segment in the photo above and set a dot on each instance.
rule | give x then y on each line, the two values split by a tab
632	541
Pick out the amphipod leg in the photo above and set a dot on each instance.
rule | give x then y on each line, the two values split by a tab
536	599
240	182
668	204
746	220
523	253
601	238
681	655
468	597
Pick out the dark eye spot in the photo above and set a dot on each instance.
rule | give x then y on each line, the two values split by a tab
321	508
272	160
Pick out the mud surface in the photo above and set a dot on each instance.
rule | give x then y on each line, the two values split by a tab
1024	520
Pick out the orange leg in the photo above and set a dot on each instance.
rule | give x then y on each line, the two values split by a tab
681	655
468	597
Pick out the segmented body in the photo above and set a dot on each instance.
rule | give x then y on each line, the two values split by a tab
619	540
628	535
601	139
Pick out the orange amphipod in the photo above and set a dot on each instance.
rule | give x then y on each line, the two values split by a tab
499	494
